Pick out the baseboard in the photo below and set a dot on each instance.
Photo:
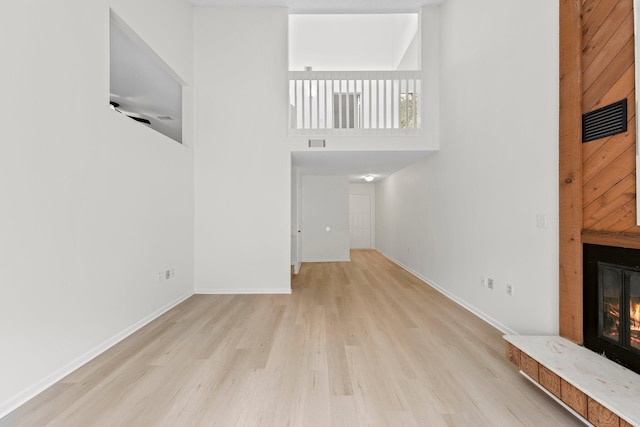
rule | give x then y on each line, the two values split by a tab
247	291
32	391
490	320
328	260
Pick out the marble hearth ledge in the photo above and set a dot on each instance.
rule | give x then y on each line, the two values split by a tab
606	382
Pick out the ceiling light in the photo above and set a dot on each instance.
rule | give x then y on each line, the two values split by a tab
369	178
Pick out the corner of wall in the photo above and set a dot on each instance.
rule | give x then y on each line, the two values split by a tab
430	61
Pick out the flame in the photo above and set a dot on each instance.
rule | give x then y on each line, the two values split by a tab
635	313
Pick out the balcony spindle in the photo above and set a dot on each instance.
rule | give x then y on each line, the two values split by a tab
373	102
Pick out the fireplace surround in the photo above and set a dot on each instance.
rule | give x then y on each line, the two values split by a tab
611	301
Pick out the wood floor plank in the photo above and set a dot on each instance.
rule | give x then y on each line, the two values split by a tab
355	344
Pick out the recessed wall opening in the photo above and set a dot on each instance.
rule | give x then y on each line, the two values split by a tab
354	73
141	85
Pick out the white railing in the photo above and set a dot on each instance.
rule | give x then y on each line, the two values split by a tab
354	102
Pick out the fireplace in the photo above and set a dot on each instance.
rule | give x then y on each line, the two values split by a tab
612	303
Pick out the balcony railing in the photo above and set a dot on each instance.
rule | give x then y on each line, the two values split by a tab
354	102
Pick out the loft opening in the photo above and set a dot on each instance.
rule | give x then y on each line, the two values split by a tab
354	73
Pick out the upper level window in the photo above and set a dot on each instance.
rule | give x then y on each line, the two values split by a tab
354	74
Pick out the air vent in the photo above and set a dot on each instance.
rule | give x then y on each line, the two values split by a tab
605	121
317	143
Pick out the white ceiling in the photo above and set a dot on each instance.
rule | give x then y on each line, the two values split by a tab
327	6
355	164
352	42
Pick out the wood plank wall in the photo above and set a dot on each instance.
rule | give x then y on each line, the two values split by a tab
570	171
597	179
608	75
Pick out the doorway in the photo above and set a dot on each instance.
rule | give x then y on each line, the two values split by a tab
360	221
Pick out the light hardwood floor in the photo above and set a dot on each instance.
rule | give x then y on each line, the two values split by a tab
363	343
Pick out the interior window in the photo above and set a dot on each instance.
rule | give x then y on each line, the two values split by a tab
142	86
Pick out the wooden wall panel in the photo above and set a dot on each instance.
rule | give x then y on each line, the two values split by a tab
607	68
602	27
600	84
593	15
609	170
570	172
597	179
620	194
622	88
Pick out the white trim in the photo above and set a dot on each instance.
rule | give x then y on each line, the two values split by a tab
21	398
327	260
389	126
490	320
247	291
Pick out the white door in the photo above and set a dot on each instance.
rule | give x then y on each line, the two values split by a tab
360	221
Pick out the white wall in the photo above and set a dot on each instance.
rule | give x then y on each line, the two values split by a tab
430	57
370	190
470	209
94	205
243	165
325	203
350	41
406	36
411	55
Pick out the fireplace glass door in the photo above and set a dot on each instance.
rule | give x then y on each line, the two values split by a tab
610	286
634	312
619	314
611	303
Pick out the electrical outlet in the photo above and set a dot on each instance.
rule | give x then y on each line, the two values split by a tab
167	275
483	282
509	289
489	283
160	276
